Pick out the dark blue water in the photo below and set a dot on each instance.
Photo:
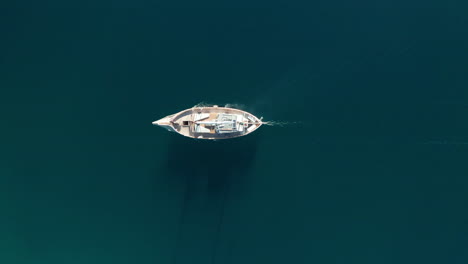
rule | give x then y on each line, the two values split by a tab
373	171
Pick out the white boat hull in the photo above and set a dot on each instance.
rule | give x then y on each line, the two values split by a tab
211	123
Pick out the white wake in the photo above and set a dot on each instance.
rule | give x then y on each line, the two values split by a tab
279	123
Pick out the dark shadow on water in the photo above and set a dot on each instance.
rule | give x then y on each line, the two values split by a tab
212	173
215	164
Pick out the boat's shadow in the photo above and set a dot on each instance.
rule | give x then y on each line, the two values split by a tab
214	166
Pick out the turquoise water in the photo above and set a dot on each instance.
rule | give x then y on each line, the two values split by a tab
372	168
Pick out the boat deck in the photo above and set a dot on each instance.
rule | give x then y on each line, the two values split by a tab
183	122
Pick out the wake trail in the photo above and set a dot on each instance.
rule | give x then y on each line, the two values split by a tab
280	123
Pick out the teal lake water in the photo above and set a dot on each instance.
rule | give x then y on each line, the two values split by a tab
372	169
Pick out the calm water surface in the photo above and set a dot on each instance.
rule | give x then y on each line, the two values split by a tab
374	171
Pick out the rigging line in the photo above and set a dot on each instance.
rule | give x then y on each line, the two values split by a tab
181	222
220	223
